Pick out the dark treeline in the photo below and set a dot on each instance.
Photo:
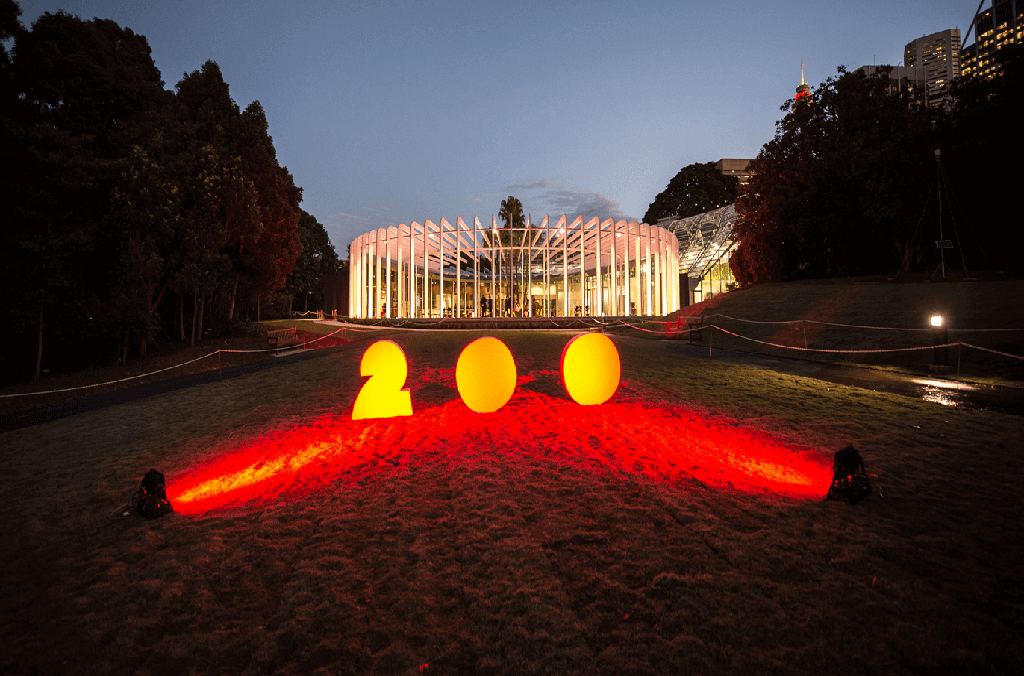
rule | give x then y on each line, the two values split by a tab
133	214
849	185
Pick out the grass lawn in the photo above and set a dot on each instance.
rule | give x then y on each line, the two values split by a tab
677	528
859	302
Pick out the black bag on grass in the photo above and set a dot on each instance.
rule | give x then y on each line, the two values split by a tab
151	500
849	480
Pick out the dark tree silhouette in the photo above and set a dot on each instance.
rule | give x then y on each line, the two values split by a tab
696	189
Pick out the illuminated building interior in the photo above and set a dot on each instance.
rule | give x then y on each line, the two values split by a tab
561	269
706	243
1000	25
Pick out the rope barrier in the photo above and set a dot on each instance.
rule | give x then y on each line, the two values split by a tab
111	382
680	332
811	349
151	373
851	326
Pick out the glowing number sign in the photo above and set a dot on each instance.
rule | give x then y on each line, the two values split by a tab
486	375
382	395
590	369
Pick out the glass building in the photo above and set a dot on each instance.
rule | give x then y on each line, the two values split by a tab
562	269
706	245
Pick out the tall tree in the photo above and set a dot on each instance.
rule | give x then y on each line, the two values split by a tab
318	258
840	188
696	189
980	156
511	213
225	205
83	89
278	245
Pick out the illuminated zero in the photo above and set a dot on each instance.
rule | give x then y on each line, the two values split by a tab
485	375
590	369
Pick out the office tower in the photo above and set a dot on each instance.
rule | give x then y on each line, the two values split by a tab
999	25
938	57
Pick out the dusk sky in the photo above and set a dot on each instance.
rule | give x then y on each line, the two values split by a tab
391	112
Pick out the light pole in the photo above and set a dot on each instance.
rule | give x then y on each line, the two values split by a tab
940	339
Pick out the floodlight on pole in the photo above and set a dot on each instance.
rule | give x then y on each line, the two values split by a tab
940	341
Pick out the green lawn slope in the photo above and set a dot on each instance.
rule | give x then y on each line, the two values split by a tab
986	314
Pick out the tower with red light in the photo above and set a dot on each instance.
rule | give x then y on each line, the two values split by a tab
803	92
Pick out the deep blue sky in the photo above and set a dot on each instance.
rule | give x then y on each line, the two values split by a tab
391	112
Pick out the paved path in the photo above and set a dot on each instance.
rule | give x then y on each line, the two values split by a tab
43	414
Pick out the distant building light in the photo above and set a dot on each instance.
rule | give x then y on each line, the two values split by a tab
936	320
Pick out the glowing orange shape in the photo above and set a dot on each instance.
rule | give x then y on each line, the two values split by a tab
485	375
590	369
382	395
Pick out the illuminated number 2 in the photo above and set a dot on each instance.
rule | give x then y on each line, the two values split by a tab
382	395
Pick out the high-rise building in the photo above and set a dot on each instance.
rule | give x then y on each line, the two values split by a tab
938	57
999	25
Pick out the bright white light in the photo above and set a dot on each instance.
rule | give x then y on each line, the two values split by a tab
936	320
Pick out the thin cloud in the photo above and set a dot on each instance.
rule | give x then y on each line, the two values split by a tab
548	196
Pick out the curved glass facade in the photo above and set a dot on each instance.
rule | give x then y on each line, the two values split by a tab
562	269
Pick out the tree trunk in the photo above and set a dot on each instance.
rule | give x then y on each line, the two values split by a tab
124	354
202	305
257	309
231	308
39	353
195	314
142	348
181	315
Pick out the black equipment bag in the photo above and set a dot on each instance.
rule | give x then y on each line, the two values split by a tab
151	500
849	480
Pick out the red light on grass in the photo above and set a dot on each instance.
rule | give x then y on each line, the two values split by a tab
667	444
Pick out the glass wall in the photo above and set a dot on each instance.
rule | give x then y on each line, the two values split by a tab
718	279
582	268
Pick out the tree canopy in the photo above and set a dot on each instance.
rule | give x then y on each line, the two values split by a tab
134	212
983	143
840	188
849	184
696	189
318	258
